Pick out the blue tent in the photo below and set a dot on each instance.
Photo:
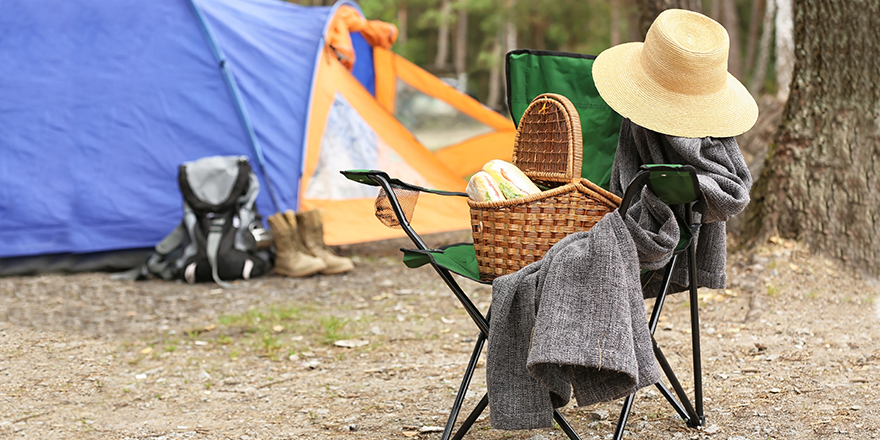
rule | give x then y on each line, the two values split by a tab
101	101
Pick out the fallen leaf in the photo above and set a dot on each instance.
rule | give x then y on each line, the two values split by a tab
425	429
351	343
712	429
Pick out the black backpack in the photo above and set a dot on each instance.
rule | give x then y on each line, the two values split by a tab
221	237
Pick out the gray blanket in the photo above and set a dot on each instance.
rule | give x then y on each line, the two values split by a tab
573	320
724	180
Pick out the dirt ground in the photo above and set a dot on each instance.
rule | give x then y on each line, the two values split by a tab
791	350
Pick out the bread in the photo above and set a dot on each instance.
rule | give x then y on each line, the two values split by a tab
511	181
483	188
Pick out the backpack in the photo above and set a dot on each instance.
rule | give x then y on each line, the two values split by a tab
221	237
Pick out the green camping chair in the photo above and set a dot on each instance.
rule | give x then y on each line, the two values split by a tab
529	74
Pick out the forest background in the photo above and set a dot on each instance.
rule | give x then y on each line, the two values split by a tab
465	40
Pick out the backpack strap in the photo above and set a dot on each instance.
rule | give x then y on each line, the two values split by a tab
212	246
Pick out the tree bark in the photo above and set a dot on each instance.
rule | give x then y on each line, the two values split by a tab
820	182
652	8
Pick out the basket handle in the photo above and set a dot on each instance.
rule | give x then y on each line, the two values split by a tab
548	146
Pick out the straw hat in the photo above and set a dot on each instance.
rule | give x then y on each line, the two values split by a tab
676	82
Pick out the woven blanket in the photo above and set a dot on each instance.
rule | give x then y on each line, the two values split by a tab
574	320
724	180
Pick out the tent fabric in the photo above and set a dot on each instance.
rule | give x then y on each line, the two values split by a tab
102	101
468	156
99	93
358	133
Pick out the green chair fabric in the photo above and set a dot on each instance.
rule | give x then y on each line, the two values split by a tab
531	73
673	184
459	258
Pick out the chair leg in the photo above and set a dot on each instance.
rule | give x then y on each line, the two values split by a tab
676	385
624	415
676	405
462	391
700	418
564	425
466	425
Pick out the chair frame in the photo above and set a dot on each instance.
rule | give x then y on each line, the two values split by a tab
692	414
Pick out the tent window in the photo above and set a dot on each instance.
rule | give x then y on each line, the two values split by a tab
349	142
434	122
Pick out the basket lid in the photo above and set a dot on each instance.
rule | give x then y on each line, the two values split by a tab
548	143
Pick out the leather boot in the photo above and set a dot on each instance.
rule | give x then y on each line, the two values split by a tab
292	259
311	229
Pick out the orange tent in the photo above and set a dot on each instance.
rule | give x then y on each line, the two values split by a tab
372	109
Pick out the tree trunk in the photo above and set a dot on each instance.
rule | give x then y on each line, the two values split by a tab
820	182
730	21
652	8
496	84
539	34
510	31
402	25
615	22
760	72
784	47
715	9
634	24
460	57
752	39
442	58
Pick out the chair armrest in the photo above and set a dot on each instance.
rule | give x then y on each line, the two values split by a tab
374	177
673	184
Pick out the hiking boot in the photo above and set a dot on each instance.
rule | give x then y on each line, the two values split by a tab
311	229
292	259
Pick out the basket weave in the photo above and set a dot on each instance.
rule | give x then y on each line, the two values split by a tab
510	234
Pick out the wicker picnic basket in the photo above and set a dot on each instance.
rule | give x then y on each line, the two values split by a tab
510	234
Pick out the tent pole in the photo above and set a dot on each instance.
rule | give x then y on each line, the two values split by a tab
236	98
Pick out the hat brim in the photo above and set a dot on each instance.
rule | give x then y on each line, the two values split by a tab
624	85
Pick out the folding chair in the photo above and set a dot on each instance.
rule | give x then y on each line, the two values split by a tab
533	73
